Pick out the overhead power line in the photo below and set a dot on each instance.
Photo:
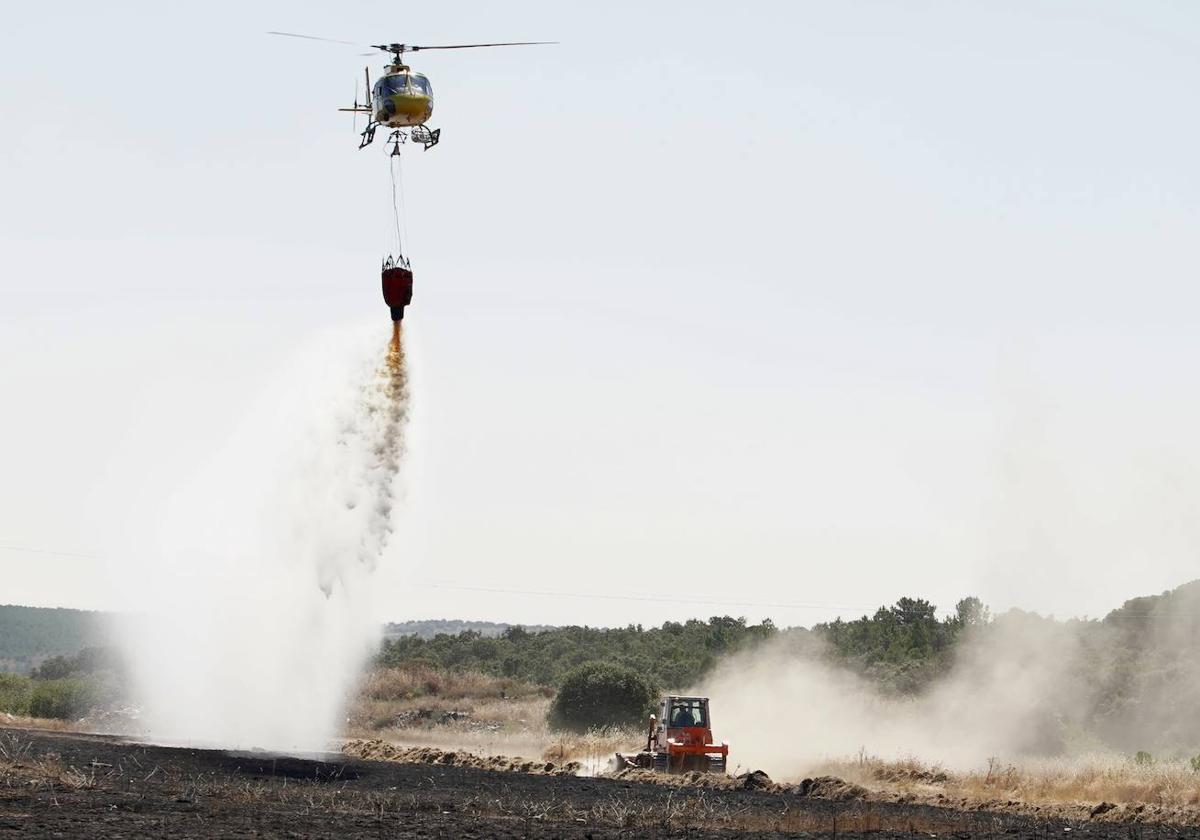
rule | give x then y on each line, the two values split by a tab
812	605
869	608
1118	614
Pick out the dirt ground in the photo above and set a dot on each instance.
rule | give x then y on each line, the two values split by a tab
56	784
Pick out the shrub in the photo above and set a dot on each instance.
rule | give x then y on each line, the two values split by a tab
15	691
55	668
1196	764
1143	758
62	699
87	661
598	694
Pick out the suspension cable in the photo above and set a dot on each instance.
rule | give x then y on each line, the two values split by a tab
394	166
403	203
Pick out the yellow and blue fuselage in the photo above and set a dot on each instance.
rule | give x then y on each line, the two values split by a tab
402	99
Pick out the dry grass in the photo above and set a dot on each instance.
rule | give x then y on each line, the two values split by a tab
49	724
389	697
1087	779
419	681
502	717
1082	781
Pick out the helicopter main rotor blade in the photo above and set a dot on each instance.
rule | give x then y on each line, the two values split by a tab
404	48
315	38
472	46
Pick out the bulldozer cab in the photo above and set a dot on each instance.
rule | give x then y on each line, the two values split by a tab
685	712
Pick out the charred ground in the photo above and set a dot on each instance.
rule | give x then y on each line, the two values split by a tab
70	785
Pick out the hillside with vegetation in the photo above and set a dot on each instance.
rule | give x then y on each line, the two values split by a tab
31	635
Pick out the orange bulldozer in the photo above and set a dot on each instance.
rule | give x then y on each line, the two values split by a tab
680	740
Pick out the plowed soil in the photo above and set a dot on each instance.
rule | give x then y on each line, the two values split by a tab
55	784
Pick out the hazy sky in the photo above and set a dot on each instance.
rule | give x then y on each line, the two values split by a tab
780	309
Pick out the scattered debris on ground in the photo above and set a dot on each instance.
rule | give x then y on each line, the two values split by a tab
829	788
909	774
424	718
379	750
122	719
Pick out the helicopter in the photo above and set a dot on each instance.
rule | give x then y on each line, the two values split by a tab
402	98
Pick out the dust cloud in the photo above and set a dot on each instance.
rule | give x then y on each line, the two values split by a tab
255	609
1022	688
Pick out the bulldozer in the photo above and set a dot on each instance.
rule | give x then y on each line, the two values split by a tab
679	740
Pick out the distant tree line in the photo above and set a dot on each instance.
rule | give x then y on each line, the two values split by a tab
675	654
902	648
428	628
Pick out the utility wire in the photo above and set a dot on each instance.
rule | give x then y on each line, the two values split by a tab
811	605
1117	614
814	605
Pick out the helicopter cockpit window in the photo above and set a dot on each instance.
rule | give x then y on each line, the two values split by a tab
421	85
391	85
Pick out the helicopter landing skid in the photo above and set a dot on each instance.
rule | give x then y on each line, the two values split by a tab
368	135
427	137
418	134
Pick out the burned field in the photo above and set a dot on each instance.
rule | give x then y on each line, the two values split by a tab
68	785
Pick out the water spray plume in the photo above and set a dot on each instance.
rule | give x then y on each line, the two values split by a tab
257	606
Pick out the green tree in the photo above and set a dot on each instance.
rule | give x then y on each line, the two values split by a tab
971	612
598	694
